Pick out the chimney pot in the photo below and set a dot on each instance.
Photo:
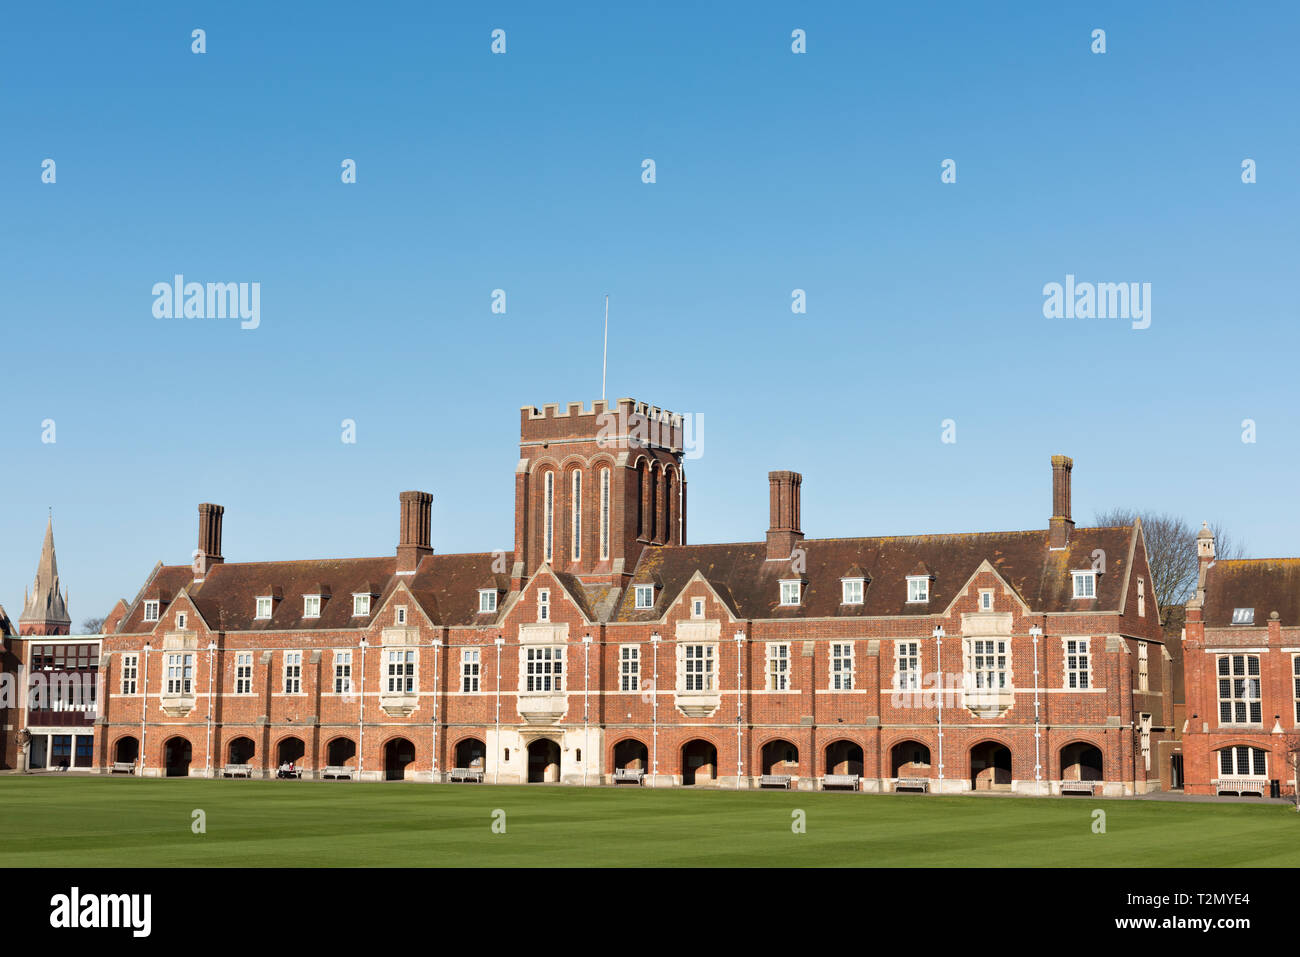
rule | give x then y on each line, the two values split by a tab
415	539
1061	522
209	551
784	531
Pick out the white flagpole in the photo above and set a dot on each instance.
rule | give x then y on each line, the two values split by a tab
604	358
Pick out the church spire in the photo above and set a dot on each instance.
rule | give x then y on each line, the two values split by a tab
45	611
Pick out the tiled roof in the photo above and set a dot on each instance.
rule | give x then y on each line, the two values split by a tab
750	584
1265	584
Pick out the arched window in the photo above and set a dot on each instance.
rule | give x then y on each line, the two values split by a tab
604	515
548	517
577	515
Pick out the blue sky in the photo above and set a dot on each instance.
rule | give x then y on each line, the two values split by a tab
522	172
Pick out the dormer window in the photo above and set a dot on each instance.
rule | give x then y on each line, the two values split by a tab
790	592
487	600
918	588
1243	616
151	610
360	605
645	596
1085	584
852	591
264	606
311	606
401	614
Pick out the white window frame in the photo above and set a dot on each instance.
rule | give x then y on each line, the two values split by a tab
918	589
1239	690
343	671
1142	597
645	596
471	670
1088	579
1144	672
244	672
543	671
1237	755
576	518
791	592
698	663
1076	656
360	604
399	614
697	607
543	604
131	673
629	668
178	673
604	514
990	663
852	591
264	602
151	607
400	671
292	673
778	666
842	666
907	665
986	599
487	601
180	620
548	517
311	606
1243	616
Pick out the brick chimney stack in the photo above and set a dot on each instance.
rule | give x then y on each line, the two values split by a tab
1061	523
784	531
209	551
414	544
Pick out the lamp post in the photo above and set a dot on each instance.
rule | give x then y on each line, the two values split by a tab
654	710
938	637
740	706
1036	632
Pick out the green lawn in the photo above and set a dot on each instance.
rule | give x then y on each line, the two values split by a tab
125	822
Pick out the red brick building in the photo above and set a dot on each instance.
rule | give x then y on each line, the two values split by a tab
604	646
1241	657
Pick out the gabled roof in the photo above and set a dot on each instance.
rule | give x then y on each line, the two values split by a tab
1040	576
1265	584
445	586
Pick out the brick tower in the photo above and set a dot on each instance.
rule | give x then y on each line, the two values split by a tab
595	487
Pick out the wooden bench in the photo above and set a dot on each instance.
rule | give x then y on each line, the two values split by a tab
1240	786
1079	787
629	775
336	773
237	771
912	784
840	781
774	781
465	775
123	767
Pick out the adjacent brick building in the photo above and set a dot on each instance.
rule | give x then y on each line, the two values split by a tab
1242	674
605	644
